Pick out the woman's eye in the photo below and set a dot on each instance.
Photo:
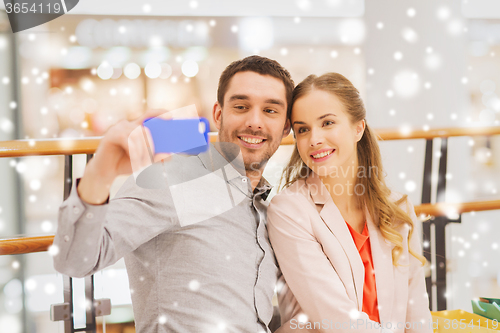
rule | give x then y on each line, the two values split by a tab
328	122
301	130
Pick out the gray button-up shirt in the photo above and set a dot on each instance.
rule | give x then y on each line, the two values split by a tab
196	248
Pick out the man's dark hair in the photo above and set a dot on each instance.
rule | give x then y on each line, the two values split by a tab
259	65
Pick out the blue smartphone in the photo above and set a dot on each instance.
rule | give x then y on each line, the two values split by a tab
187	136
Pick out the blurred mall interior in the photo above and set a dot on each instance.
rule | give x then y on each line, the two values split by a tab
417	64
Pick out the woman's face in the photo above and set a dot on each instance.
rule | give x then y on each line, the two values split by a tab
326	138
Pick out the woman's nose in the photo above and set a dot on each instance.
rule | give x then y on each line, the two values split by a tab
316	138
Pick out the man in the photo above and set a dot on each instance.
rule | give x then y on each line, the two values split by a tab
215	275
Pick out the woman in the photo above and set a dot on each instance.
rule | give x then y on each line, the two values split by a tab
344	242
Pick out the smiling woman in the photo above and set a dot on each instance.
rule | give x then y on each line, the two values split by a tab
335	225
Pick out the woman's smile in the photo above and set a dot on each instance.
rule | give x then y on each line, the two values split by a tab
322	155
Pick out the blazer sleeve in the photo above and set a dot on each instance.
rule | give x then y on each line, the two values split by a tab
418	300
309	273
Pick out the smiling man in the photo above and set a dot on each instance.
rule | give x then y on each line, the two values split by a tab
254	100
215	275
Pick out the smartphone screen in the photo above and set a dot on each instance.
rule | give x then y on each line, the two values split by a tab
186	136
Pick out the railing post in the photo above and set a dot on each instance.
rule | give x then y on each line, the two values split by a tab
65	311
18	134
89	295
439	223
90	308
426	226
68	281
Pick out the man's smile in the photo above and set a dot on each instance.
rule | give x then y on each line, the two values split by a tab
251	141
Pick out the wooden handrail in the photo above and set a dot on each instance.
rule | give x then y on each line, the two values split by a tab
447	209
402	134
24	245
19	148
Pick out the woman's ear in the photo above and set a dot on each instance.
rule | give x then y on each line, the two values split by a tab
360	129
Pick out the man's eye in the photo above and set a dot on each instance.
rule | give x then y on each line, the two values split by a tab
270	111
239	107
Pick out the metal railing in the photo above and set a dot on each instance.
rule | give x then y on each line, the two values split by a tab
439	211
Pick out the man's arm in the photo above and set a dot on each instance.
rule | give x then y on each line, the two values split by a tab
92	237
92	234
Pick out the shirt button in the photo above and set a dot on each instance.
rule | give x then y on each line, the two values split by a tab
66	238
76	210
90	215
244	180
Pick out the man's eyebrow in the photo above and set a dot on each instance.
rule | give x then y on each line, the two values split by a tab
275	101
237	97
246	97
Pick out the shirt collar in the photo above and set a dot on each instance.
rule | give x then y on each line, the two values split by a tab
213	160
263	188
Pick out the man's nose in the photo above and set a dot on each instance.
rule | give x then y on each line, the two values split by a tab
254	119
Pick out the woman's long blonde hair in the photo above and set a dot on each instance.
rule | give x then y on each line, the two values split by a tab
386	214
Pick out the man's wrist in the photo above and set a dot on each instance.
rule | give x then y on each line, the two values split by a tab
93	189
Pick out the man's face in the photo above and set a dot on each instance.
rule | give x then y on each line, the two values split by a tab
253	116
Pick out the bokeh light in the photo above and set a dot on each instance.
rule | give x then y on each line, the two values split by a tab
190	68
433	61
105	71
166	71
132	71
406	83
352	31
153	70
409	35
256	33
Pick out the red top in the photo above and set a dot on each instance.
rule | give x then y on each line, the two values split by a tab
362	241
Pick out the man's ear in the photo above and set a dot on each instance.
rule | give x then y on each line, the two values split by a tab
287	128
360	129
217	115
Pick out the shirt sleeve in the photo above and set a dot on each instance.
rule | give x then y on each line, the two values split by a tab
92	237
418	300
309	273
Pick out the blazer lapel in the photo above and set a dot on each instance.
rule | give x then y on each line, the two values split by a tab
334	220
384	269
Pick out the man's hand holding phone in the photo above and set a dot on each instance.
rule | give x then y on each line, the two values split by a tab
129	147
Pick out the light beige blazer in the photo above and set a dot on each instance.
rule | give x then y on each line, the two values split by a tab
324	272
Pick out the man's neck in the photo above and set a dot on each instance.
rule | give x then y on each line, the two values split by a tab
255	177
